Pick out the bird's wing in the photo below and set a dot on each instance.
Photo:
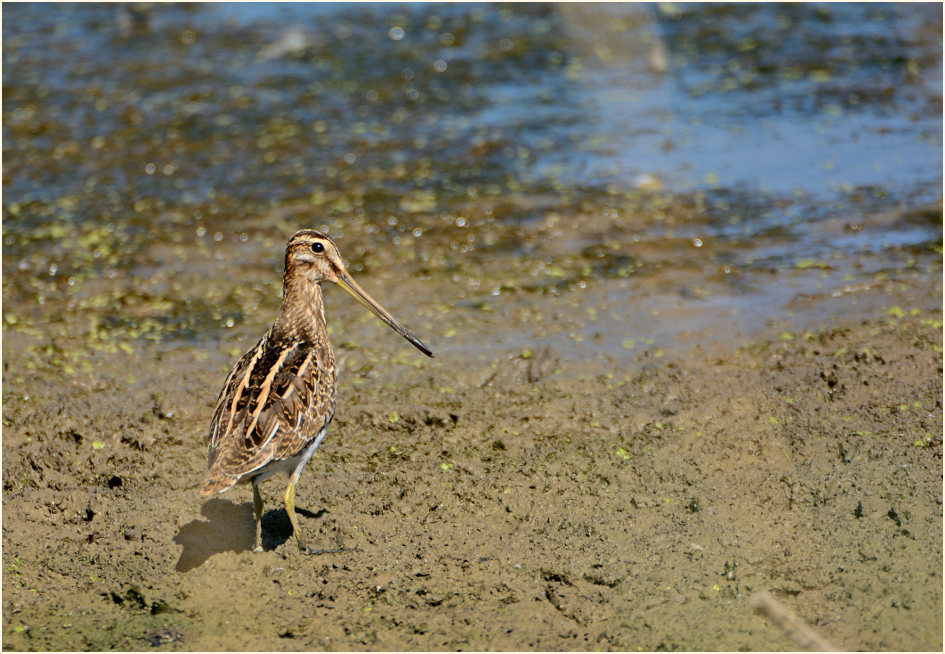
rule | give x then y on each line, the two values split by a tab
275	400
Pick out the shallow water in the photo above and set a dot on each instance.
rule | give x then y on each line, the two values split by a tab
710	168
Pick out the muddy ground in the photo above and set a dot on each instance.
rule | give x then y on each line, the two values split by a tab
531	502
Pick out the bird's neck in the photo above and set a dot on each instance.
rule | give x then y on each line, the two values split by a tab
302	315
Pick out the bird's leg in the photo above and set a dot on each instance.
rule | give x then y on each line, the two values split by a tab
290	509
258	510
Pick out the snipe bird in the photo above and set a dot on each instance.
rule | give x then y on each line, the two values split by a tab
278	400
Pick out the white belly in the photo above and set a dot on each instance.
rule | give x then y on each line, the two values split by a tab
293	465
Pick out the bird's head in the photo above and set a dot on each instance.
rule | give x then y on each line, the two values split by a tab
313	257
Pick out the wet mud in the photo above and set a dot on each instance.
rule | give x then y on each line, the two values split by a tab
537	503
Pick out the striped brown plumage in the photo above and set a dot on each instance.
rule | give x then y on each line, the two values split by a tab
277	401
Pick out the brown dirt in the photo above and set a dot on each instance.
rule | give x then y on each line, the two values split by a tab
526	503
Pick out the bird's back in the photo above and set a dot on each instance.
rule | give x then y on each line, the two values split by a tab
279	396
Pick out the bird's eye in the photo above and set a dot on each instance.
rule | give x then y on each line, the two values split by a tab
317	247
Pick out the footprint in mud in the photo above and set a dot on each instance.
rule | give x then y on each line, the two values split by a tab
229	527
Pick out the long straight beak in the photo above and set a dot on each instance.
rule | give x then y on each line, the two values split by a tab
358	293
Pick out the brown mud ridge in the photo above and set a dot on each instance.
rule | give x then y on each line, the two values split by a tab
531	504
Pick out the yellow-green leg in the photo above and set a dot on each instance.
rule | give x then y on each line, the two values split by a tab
258	510
290	509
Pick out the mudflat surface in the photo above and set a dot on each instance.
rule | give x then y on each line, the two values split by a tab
534	504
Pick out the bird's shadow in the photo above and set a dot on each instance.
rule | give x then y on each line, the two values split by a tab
231	527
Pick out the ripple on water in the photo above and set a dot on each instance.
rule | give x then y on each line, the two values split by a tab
683	160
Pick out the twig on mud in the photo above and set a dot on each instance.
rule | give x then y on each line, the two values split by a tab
792	625
336	550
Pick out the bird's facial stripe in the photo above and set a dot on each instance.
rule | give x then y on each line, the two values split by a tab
307	236
305	257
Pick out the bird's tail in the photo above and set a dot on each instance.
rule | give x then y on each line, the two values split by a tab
217	483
